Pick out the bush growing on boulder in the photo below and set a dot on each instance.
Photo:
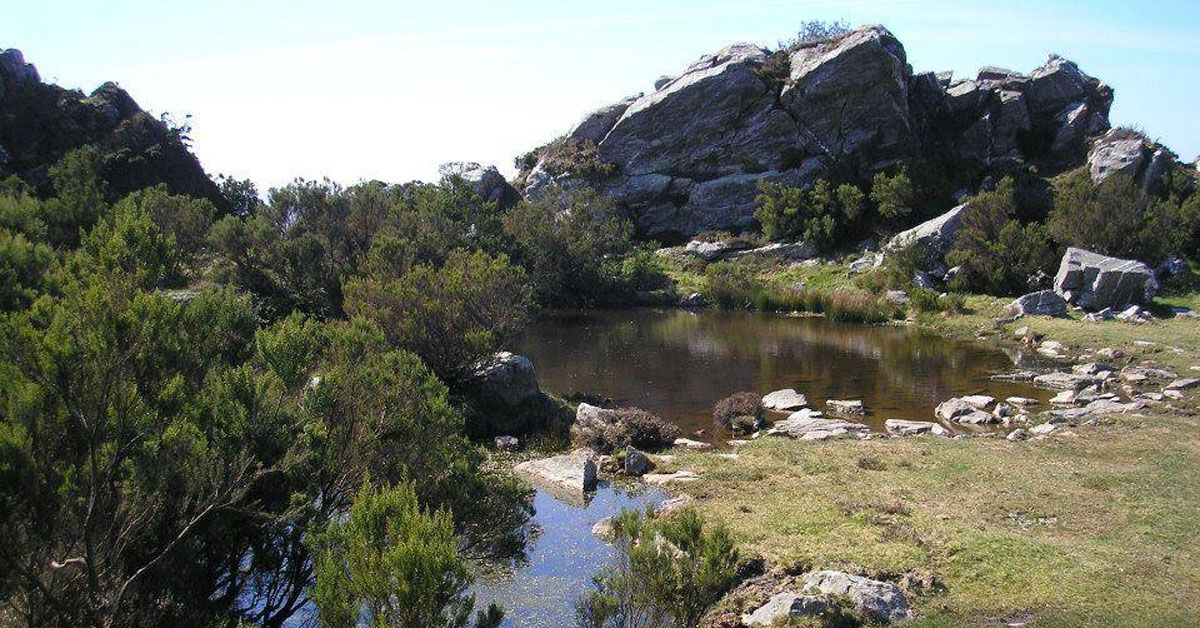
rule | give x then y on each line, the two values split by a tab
610	430
740	412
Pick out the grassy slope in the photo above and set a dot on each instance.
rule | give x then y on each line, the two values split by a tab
1100	526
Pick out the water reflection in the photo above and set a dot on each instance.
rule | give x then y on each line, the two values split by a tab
561	556
678	363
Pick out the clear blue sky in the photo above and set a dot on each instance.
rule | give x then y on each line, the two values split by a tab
374	89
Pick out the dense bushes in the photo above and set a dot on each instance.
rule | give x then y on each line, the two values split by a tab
1117	218
996	253
453	316
816	214
667	572
574	247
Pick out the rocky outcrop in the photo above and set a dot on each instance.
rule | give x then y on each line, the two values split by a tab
487	182
1094	282
40	123
784	606
1040	303
688	156
1130	153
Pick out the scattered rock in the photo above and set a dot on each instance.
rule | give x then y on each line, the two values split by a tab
714	251
1004	410
1093	368
693	300
1066	381
603	529
660	479
505	443
1018	434
899	297
1182	384
952	408
575	471
1022	401
979	402
901	427
785	400
805	426
795	251
975	417
1016	376
883	600
1043	429
1094	282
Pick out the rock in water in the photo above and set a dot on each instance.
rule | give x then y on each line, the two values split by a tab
1093	281
785	400
637	463
1040	303
882	600
901	427
574	472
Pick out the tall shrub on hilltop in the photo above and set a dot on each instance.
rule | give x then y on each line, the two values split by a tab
998	254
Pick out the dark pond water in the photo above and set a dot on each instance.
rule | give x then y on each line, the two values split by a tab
560	557
678	363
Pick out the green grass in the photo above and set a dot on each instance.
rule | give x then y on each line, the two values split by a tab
1101	527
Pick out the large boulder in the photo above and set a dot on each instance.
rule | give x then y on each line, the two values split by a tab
884	601
574	472
506	399
1094	282
784	606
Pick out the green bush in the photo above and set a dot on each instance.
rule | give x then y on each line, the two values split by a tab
740	412
997	253
392	564
572	247
893	194
452	316
816	214
668	571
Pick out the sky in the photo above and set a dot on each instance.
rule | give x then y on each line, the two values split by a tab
357	90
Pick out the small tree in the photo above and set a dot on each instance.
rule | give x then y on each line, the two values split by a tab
392	564
815	214
893	194
998	254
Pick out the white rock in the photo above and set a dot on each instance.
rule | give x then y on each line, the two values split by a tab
785	400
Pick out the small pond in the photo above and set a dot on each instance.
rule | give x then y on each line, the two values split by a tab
678	363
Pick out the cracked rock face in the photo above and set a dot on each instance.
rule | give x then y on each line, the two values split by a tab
689	155
1131	154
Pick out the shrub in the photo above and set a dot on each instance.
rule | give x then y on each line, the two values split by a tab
1117	218
615	429
566	243
816	214
452	316
395	563
893	194
733	286
814	32
740	412
858	306
668	571
997	253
